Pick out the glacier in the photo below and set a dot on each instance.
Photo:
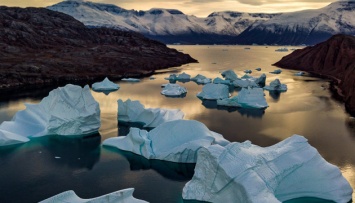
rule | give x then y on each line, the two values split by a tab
244	172
175	141
105	85
121	196
135	112
214	91
173	90
70	110
276	86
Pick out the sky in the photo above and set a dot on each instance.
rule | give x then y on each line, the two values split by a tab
200	8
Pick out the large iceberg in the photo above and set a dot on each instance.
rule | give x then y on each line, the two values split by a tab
69	110
105	85
229	75
214	91
246	98
121	196
200	79
175	141
243	172
276	86
134	111
173	90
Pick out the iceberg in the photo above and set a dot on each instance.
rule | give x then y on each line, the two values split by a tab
131	79
276	86
248	71
252	98
135	112
173	90
258	69
105	85
243	172
183	76
171	77
282	49
277	71
301	73
229	102
68	111
260	81
175	141
121	196
245	83
219	80
246	76
214	91
200	79
229	75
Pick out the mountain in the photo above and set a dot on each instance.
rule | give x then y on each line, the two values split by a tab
334	58
303	27
166	25
40	46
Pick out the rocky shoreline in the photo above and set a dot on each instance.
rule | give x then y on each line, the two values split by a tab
333	59
41	47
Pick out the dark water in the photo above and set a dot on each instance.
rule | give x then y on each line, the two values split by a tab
47	166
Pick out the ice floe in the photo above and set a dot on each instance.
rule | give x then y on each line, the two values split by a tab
229	75
175	141
67	111
276	86
105	85
135	112
131	79
173	90
277	71
214	91
244	172
121	196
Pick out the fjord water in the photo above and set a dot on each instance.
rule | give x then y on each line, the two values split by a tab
50	165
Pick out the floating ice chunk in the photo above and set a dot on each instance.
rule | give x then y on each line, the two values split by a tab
175	141
276	86
183	76
171	77
152	78
252	98
248	71
69	110
105	85
173	90
244	83
134	111
200	79
229	75
258	69
121	196
282	49
8	138
219	80
301	73
230	102
131	79
214	91
260	81
246	76
243	172
277	71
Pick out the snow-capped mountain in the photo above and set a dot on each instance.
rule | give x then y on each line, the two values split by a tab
167	25
303	27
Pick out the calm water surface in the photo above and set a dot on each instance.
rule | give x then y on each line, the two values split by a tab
47	166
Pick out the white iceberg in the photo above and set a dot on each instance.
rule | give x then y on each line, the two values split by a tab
214	91
277	71
121	196
248	71
219	80
105	85
175	141
200	79
243	172
9	138
229	75
301	73
276	86
252	98
171	77
68	111
183	76
134	111
173	90
131	79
